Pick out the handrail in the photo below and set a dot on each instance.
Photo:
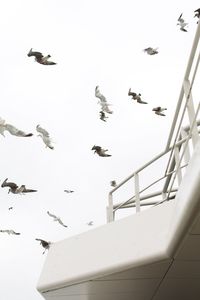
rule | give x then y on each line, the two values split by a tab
181	137
186	76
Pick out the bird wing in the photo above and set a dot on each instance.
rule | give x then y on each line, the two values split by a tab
16	233
180	18
37	54
43	242
61	223
12	185
42	131
51	215
14	131
99	95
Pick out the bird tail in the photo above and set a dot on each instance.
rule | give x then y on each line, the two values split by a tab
29	134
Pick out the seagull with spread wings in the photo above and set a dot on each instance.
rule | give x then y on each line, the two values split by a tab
181	23
40	58
45	136
57	219
90	223
197	13
151	51
68	191
45	244
103	102
10	231
12	129
15	189
159	110
100	151
136	97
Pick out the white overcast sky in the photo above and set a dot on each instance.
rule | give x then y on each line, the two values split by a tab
94	43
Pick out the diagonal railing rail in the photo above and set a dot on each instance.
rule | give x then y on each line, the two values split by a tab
180	142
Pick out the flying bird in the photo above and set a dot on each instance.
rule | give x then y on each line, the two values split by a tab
10	231
100	151
182	24
103	102
151	51
45	136
12	129
56	219
45	244
113	183
40	58
90	223
103	116
136	97
15	189
68	191
197	13
158	110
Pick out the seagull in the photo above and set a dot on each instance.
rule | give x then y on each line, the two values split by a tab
57	219
136	97
90	223
40	58
103	101
182	23
151	51
68	191
197	13
158	110
103	116
45	136
12	130
13	188
45	244
100	151
113	183
10	232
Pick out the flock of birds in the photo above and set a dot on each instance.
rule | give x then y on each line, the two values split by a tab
183	24
43	133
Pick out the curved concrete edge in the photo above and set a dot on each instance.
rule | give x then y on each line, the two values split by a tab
136	240
187	208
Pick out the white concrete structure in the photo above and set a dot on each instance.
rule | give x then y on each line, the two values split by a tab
153	254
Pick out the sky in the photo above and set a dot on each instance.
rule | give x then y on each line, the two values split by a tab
93	43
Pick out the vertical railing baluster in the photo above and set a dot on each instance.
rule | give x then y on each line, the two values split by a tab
191	111
187	155
177	161
110	213
137	192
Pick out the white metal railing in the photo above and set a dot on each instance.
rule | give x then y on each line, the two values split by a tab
180	142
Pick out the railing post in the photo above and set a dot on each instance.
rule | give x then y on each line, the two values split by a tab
191	110
137	192
110	213
187	155
177	160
